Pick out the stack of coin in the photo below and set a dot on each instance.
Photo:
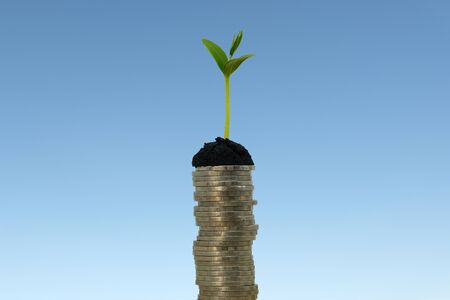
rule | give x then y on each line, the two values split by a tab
223	249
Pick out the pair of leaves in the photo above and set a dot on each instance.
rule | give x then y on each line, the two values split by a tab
227	66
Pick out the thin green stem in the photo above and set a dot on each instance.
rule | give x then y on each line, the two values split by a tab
227	107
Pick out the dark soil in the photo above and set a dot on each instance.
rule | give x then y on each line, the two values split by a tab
222	152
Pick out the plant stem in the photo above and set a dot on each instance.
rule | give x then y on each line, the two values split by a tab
227	106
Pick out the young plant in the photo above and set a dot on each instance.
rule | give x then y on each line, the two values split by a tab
227	66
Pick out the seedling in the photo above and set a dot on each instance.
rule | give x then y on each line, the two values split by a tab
227	66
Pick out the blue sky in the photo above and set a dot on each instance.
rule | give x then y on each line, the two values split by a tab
344	110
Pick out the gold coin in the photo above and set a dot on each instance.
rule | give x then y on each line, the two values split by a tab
223	213
227	183
221	253
226	203
222	189
229	283
225	218
227	296
250	287
230	228
225	224
208	268
233	258
208	174
211	260
225	272
224	280
222	178
238	201
223	208
229	195
223	243
222	248
227	233
226	238
220	229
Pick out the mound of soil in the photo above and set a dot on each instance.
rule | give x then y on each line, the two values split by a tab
222	152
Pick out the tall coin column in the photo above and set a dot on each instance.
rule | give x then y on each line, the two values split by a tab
223	249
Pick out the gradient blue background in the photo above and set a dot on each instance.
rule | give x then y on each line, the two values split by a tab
344	109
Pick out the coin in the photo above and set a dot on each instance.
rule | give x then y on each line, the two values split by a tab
226	273
227	233
226	277
228	218
214	183
229	283
222	178
223	213
250	287
215	173
238	267
249	263
217	200
222	243
231	188
202	224
233	258
225	208
236	228
231	202
226	168
229	193
226	296
253	227
226	238
220	231
225	223
222	248
239	200
220	253
204	230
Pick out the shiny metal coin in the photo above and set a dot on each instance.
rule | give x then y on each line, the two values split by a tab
215	183
229	283
223	243
207	174
231	202
248	267
227	233
230	228
222	253
223	213
229	218
250	287
229	193
218	259
222	248
221	178
226	238
225	224
225	273
223	208
221	189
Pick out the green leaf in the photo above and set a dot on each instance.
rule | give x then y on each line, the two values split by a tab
217	53
234	63
235	43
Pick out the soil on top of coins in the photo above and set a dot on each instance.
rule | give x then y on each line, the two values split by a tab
222	152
